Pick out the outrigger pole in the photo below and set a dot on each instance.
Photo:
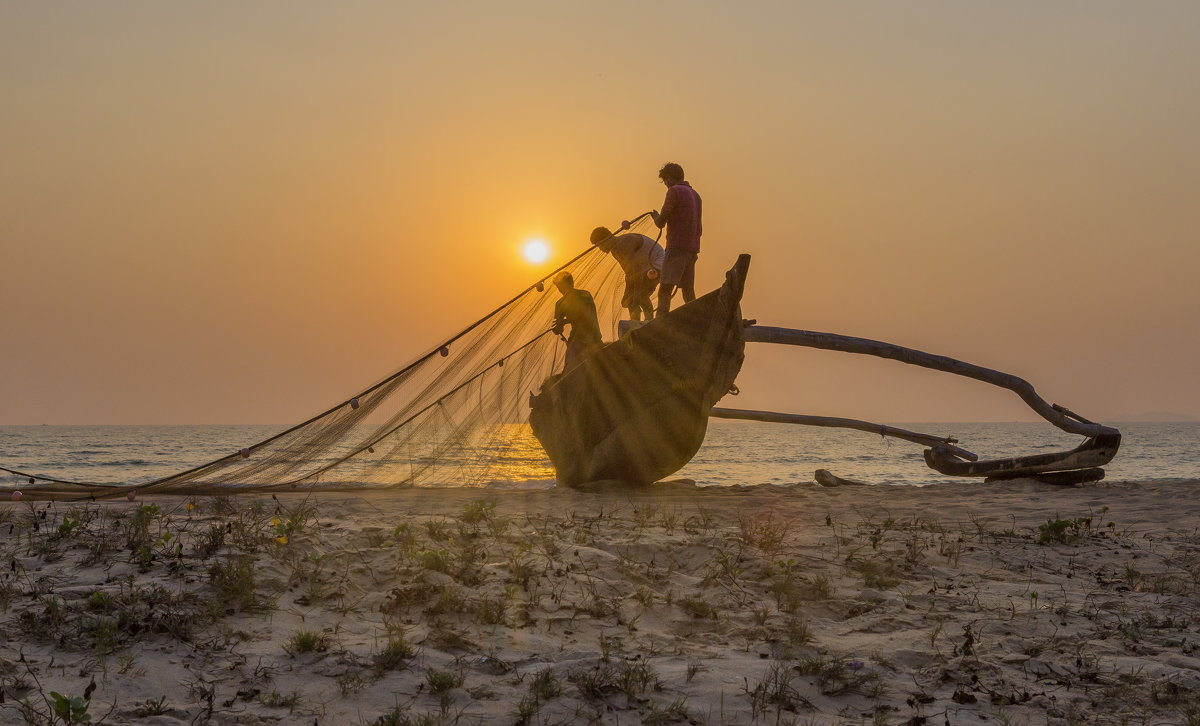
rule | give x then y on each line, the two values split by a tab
1079	464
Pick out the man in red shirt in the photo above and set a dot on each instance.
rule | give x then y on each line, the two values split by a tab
681	216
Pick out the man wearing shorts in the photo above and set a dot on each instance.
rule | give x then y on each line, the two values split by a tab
681	216
641	260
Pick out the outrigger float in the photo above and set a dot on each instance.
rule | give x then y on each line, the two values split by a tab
637	410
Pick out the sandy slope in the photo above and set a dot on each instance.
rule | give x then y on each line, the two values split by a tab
673	605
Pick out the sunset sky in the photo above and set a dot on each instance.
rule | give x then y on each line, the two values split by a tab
243	212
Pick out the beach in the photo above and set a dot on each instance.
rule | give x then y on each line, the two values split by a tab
955	603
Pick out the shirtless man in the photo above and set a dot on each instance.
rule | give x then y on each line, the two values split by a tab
641	259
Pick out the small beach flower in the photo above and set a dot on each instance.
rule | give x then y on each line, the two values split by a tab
275	521
281	540
191	506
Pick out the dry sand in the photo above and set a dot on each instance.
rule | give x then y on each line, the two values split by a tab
950	604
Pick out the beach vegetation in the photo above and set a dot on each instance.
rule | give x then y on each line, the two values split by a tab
351	683
275	699
675	712
417	591
394	654
209	541
306	641
490	611
543	687
875	573
950	547
669	520
445	636
436	560
775	691
527	708
836	676
441	683
1064	531
438	530
137	529
609	677
762	532
697	607
798	632
151	707
235	587
404	537
449	601
520	568
702	522
71	709
402	715
479	510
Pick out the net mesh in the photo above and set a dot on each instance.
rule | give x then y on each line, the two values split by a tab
456	415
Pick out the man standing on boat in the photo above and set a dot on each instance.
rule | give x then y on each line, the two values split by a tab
641	259
577	309
681	216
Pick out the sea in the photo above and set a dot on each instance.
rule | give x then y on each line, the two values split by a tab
734	453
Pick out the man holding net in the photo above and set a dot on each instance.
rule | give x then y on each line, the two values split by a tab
641	259
577	309
681	216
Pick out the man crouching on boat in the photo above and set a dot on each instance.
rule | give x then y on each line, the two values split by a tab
641	259
577	309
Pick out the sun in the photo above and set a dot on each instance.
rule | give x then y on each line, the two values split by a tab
536	251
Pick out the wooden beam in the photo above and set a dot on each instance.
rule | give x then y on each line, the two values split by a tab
1060	417
845	423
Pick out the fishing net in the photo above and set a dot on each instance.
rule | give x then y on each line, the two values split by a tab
457	415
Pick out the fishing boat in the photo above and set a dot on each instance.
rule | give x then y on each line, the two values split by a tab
636	410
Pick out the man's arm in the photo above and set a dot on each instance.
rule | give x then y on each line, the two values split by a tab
559	319
669	204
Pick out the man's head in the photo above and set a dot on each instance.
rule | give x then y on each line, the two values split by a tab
600	234
671	173
564	282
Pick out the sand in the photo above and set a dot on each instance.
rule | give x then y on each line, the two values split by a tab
960	603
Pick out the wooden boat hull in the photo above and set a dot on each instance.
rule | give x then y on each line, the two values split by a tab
1093	452
637	409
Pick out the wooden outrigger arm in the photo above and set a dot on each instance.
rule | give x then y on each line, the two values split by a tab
1098	449
844	423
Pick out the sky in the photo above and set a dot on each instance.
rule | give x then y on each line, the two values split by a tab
236	212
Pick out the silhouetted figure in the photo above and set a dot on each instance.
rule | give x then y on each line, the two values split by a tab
577	309
641	259
681	216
